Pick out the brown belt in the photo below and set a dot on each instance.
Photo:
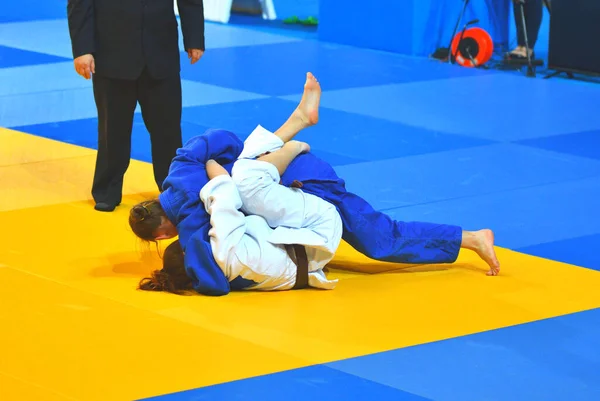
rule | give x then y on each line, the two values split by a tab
301	265
300	253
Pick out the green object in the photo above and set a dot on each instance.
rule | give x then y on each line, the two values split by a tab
295	20
310	21
291	20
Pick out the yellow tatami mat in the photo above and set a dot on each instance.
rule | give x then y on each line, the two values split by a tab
74	327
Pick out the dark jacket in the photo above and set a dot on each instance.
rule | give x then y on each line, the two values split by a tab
124	36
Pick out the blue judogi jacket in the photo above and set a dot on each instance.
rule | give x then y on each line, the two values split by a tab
181	202
370	232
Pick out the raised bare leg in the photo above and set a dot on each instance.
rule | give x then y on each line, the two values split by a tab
307	112
482	242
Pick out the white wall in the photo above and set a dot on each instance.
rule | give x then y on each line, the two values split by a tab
220	10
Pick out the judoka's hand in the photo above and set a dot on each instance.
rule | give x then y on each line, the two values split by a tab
194	55
85	65
214	169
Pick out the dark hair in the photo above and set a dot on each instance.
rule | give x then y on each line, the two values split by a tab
145	218
172	277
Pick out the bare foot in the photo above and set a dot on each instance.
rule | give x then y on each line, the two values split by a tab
482	242
308	109
302	147
485	250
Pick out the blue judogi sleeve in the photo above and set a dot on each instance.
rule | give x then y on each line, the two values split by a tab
187	176
181	202
207	277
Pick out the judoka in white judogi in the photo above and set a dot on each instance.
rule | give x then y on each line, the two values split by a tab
253	245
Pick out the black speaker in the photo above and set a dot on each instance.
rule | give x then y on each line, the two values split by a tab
574	44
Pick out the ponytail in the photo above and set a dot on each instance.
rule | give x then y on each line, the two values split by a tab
158	282
172	277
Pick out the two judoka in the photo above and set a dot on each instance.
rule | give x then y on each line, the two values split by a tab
180	211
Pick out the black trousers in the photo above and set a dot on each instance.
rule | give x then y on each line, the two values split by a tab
116	100
534	12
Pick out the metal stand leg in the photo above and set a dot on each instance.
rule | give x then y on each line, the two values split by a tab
530	67
556	73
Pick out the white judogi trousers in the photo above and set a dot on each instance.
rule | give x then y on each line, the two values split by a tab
253	246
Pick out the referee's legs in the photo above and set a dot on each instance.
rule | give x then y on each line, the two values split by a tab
160	101
116	101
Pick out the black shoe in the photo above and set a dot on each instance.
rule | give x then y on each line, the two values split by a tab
105	207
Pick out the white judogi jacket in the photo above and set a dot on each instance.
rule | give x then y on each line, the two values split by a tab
253	246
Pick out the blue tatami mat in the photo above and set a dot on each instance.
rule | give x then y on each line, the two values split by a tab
277	69
11	57
455	175
585	144
524	217
312	383
351	135
479	106
551	360
580	251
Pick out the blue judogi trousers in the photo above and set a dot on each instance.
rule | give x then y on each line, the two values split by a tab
369	231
